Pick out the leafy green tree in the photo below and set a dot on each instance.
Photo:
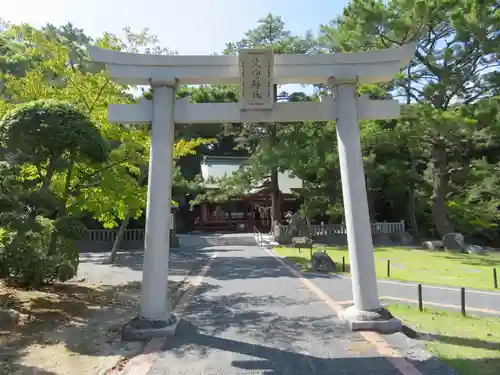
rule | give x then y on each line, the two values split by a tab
457	52
44	138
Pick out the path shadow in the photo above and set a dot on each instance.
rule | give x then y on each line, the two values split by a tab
271	361
219	313
482	366
488	259
452	340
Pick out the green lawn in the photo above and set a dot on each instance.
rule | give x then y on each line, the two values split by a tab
470	345
430	267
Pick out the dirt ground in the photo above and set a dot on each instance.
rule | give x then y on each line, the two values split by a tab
68	326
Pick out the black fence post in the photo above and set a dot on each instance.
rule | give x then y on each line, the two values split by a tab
462	300
388	268
495	280
343	264
420	300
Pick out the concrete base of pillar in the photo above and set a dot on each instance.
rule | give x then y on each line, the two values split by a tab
140	329
380	320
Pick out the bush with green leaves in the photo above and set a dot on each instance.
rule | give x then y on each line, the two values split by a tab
25	255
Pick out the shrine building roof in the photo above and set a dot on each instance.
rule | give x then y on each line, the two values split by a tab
214	168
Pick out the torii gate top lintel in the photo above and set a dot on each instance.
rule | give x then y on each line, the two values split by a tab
366	67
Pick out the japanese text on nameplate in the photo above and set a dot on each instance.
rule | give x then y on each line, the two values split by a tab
256	71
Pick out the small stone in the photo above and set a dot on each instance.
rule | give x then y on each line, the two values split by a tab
475	249
9	318
433	245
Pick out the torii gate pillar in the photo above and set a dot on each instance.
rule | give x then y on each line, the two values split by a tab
366	312
156	318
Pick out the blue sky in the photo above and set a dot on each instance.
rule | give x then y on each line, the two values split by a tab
188	26
191	27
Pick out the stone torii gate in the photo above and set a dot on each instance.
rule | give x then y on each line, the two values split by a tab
256	71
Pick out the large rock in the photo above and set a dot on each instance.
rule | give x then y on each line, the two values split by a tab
322	262
475	249
8	319
433	245
454	242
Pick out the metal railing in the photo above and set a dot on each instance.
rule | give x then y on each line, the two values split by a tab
106	235
340	229
259	237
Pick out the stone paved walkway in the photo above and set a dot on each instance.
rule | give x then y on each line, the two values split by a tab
251	316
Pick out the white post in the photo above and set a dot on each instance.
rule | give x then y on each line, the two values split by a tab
357	218
154	297
367	312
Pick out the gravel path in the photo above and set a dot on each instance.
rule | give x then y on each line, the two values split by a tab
93	268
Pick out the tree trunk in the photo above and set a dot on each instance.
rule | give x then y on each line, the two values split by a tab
275	197
143	178
44	188
440	189
412	206
61	212
119	239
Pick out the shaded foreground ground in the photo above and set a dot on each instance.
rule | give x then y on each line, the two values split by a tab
251	316
416	265
65	326
76	325
470	345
